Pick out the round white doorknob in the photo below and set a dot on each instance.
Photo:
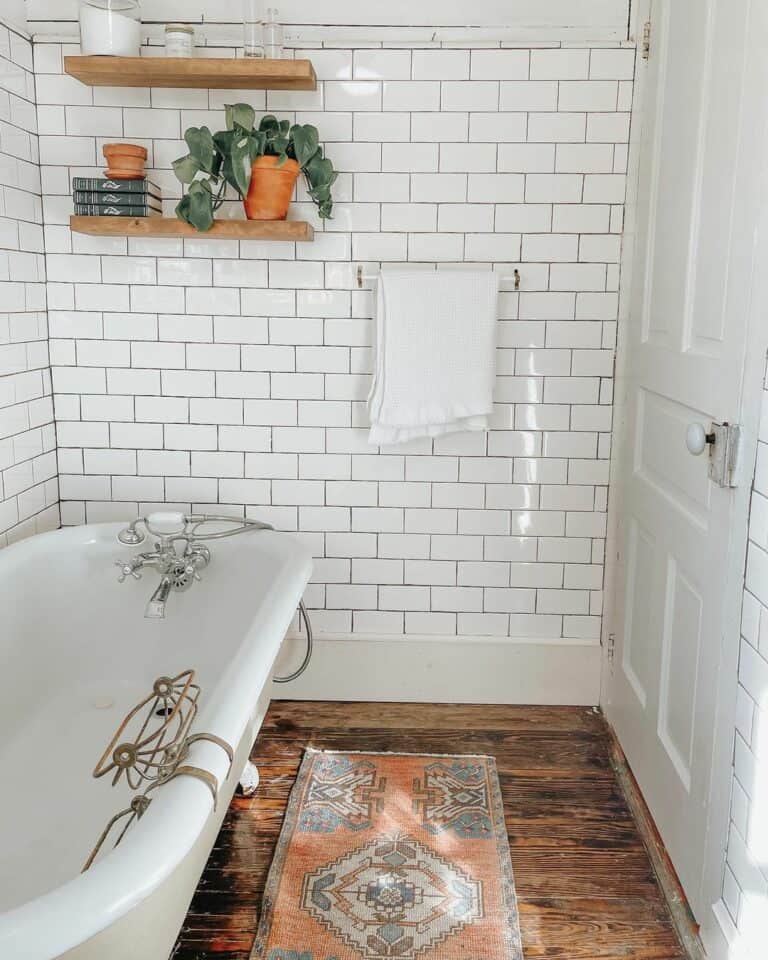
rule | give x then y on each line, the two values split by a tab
696	439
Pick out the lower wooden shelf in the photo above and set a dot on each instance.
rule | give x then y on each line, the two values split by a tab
201	72
291	230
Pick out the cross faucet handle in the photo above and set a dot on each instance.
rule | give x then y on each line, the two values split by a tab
127	570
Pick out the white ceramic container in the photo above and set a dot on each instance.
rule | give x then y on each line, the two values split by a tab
110	28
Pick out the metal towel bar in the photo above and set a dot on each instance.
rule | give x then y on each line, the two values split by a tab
363	278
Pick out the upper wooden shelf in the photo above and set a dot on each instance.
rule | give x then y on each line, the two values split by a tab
290	230
203	72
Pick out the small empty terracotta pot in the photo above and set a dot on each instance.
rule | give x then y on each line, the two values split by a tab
269	195
125	161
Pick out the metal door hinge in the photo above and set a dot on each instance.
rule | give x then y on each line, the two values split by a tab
724	453
610	649
646	44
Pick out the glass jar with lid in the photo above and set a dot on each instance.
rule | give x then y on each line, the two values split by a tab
110	28
179	40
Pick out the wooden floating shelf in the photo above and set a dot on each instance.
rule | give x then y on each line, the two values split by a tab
289	230
202	72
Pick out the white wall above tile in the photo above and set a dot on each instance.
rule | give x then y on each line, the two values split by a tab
531	19
14	12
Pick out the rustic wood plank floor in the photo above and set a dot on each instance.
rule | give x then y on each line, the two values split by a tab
585	885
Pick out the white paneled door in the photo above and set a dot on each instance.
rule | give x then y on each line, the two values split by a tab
685	344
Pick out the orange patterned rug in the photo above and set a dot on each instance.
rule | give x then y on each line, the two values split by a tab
391	857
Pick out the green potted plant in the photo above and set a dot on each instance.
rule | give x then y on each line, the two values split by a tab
261	164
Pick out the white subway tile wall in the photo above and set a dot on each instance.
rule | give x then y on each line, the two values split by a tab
234	375
28	469
746	873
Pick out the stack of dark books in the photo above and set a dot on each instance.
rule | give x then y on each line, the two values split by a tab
99	197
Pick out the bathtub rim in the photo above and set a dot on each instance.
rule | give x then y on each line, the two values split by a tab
120	881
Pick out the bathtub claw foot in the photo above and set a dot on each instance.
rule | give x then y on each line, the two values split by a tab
249	780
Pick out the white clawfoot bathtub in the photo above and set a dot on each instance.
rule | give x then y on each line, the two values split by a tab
76	654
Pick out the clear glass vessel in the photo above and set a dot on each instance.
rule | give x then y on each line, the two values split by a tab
110	28
253	24
273	35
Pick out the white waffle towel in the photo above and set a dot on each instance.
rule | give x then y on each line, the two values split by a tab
435	353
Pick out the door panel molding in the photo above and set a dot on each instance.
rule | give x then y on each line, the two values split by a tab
675	670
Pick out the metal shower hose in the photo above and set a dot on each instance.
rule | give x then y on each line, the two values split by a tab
308	656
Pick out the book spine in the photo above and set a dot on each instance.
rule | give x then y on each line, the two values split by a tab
112	210
99	184
116	199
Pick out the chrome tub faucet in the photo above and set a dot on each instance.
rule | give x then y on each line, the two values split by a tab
155	609
176	557
179	553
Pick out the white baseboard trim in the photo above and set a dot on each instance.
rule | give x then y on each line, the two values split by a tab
419	669
718	934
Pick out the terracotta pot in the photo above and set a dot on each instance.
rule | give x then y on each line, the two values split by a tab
125	161
271	189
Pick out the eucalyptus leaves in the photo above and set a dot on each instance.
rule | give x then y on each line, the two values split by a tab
216	160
